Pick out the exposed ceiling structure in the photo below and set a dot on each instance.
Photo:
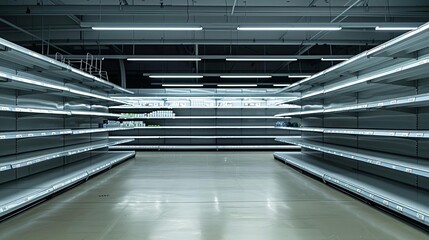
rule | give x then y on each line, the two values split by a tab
272	41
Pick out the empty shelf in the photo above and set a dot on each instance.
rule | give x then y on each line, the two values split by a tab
401	198
25	159
365	132
30	134
396	162
19	193
202	147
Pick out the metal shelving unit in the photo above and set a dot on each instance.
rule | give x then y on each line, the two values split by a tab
44	98
204	147
365	132
25	191
200	122
365	125
396	197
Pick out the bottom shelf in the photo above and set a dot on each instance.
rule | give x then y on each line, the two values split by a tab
25	191
401	198
205	147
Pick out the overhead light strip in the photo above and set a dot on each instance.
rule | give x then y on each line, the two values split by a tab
183	85
165	59
237	85
176	76
245	76
334	59
281	85
262	59
289	28
299	76
380	28
147	28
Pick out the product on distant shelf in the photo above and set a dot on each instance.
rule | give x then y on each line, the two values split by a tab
288	124
154	114
124	124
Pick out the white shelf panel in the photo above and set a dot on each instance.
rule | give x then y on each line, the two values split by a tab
365	132
22	192
201	137
22	80
206	117
207	127
14	108
401	198
404	44
391	161
203	147
31	134
30	57
97	130
408	101
26	159
199	107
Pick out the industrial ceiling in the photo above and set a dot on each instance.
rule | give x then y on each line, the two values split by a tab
210	33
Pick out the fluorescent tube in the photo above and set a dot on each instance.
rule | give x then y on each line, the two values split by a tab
281	85
176	76
148	28
182	85
378	28
245	76
262	59
299	76
164	59
334	59
289	28
237	85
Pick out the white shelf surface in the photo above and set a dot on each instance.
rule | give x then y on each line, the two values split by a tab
27	57
207	127
31	134
415	166
26	81
200	107
30	158
201	137
365	132
15	108
401	198
98	130
203	147
402	45
24	191
54	132
206	117
408	101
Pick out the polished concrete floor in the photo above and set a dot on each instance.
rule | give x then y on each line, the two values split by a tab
207	196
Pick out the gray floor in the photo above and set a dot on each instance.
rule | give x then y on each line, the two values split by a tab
207	196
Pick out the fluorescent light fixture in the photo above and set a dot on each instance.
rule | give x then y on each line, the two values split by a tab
378	28
299	76
165	59
334	59
176	76
183	85
262	59
245	76
237	85
148	28
281	85
289	28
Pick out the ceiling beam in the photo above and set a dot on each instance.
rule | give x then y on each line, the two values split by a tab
97	10
210	57
88	42
72	17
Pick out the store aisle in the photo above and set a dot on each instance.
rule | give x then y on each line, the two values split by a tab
207	196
